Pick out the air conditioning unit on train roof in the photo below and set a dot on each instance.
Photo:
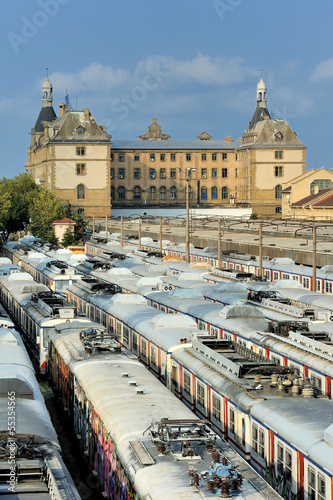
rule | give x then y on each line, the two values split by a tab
164	287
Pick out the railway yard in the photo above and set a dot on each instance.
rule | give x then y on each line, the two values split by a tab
212	378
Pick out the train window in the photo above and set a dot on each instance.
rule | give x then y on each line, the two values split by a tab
255	438
232	420
135	343
295	278
187	384
311	484
118	330
98	315
216	408
202	325
285	276
92	313
328	287
143	349
306	283
125	335
261	448
46	334
201	395
162	308
153	356
288	466
237	267
155	305
321	488
280	460
318	285
214	331
111	327
275	275
103	318
276	360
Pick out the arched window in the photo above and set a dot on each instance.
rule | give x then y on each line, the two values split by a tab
121	193
163	193
173	193
214	193
278	192
112	192
204	193
137	193
81	192
190	192
152	193
224	193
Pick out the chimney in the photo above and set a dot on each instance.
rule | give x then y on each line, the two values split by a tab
228	138
62	109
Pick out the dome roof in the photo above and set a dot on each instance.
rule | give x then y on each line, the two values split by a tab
47	85
261	84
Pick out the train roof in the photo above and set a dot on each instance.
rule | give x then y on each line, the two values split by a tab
127	399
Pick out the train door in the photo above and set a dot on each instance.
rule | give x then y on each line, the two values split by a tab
300	475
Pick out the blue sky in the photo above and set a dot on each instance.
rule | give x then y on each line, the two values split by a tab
193	64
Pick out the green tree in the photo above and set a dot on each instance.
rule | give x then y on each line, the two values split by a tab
68	238
44	209
16	195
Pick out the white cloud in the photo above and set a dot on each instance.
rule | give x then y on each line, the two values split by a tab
95	77
323	72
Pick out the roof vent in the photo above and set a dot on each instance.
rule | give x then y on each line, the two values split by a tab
132	383
140	390
125	374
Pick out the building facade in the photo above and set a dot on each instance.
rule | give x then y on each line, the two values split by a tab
71	156
304	197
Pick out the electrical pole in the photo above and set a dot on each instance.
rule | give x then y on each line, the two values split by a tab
121	231
260	250
219	244
187	236
314	258
140	232
161	235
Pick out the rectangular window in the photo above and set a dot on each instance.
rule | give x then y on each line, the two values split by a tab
261	449
152	173
162	157
136	157
173	173
201	395
188	156
311	484
153	356
80	168
280	460
232	421
203	157
162	173
204	173
137	173
278	171
224	156
125	335
80	151
216	407
321	488
121	173
143	349
152	156
187	384
278	155
173	157
112	173
306	283
214	173
112	157
121	157
254	438
135	343
328	287
224	172
288	466
214	156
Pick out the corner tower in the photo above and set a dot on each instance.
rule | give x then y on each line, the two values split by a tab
47	113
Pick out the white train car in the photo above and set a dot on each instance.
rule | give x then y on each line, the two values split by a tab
30	455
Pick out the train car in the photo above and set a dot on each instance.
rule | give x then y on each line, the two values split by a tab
138	438
30	455
36	310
